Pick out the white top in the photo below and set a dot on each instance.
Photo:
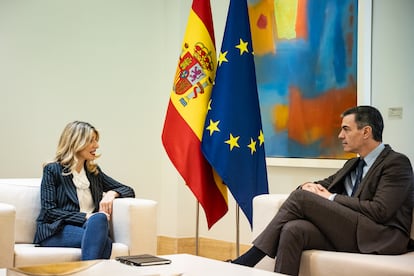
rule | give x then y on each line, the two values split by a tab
84	193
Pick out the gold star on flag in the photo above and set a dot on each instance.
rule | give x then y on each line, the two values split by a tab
233	141
222	58
252	146
242	46
213	126
261	138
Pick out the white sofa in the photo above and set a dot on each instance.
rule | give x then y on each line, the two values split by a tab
133	226
326	263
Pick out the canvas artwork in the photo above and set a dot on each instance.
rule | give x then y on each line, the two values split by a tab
306	67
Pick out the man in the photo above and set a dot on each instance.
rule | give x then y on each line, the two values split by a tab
344	212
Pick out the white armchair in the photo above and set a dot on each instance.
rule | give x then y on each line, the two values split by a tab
326	263
134	226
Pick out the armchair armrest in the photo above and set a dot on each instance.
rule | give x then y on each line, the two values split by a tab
7	222
265	208
134	223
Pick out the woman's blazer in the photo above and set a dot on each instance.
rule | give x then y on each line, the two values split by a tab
59	200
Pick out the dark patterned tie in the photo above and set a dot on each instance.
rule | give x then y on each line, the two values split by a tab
358	173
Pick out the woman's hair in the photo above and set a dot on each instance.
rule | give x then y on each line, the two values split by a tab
74	138
366	115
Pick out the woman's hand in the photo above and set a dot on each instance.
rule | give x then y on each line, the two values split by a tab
107	201
108	217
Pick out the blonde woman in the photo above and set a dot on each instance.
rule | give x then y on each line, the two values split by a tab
77	196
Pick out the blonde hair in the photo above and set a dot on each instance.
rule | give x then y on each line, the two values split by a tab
74	138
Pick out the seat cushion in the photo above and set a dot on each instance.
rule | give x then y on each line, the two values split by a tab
28	254
339	263
321	263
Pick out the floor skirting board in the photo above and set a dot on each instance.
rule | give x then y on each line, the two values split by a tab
210	248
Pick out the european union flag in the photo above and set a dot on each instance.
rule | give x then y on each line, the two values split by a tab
233	140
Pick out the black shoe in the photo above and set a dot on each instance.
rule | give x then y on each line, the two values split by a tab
229	261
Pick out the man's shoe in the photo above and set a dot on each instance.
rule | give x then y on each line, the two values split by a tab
229	261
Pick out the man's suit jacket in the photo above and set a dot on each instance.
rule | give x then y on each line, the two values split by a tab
384	200
59	200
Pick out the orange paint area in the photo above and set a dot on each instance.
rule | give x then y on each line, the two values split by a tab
318	119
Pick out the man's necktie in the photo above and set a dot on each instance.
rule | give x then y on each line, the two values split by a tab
358	173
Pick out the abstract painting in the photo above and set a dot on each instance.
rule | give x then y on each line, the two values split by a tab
306	68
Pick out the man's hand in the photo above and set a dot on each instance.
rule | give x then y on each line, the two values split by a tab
316	189
106	203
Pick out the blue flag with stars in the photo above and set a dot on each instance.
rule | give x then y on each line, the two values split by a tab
233	140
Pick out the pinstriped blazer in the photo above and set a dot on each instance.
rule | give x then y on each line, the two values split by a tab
59	200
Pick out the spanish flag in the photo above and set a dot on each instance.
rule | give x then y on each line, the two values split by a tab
187	109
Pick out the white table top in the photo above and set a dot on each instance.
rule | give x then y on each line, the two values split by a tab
191	265
181	265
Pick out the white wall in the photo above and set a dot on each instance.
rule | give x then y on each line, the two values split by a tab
111	62
393	70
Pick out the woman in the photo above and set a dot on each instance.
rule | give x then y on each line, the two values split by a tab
76	196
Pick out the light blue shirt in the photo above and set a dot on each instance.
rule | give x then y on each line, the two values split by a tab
369	160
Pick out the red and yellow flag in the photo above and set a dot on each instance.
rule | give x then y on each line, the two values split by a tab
187	109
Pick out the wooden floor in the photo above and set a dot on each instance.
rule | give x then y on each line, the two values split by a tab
210	248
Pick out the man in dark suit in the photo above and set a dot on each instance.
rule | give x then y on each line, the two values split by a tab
365	207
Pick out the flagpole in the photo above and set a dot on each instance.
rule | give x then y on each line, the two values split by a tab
197	226
237	230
